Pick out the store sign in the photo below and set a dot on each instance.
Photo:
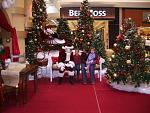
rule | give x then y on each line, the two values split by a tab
96	12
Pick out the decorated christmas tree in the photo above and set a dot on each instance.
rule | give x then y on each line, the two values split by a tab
99	45
63	30
85	27
30	48
127	64
39	16
34	40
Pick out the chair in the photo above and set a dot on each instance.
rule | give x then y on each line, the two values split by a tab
1	95
12	84
42	64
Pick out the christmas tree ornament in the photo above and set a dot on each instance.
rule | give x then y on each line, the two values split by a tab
121	27
128	61
109	59
127	47
88	43
115	44
81	39
89	35
113	56
146	55
120	37
115	75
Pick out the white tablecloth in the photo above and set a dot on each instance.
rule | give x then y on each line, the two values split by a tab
10	76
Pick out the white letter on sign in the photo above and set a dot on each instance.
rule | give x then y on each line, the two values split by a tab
71	13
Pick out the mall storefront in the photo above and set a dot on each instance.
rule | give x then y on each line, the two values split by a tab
105	18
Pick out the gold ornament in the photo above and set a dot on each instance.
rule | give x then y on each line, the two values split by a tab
146	55
136	36
113	56
115	75
109	59
127	47
128	61
115	44
121	28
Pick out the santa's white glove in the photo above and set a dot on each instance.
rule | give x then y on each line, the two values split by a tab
62	68
61	64
71	64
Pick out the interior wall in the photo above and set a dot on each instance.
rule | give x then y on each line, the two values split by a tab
16	18
136	15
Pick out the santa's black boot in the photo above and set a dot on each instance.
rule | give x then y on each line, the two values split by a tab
60	79
71	80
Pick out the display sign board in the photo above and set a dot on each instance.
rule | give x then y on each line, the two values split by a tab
146	17
97	12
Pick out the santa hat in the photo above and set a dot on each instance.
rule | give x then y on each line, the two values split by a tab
67	45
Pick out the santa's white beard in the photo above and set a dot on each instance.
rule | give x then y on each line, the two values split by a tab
68	56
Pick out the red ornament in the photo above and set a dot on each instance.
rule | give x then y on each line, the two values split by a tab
81	39
88	13
39	49
89	35
120	37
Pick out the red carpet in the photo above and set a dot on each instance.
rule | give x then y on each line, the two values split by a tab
78	98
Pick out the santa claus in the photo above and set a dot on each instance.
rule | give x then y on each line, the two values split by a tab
66	63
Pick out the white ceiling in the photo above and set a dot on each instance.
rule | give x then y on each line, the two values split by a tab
108	3
53	6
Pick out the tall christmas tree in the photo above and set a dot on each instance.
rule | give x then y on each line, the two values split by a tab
30	48
34	40
63	30
99	45
39	16
127	64
85	27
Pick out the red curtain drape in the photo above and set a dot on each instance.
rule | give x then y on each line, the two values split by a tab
5	25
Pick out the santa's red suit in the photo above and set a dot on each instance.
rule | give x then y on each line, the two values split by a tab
66	62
